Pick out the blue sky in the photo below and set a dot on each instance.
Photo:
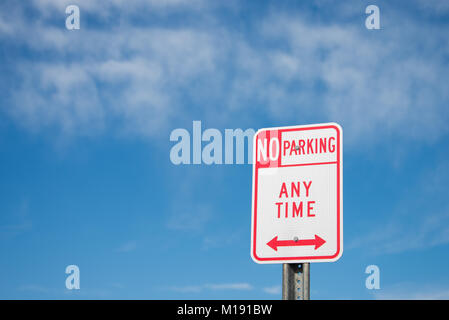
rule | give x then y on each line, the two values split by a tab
86	115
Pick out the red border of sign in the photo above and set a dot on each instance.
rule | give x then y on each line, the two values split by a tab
255	172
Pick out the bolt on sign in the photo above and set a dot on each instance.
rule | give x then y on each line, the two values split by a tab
297	209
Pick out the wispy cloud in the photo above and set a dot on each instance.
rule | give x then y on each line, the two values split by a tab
230	286
97	6
34	288
137	78
276	290
213	287
127	247
435	7
221	239
408	291
189	218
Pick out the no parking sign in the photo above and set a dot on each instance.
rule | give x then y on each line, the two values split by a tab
297	213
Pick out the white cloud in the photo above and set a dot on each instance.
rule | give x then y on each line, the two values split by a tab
137	79
410	291
214	287
33	288
276	290
57	93
221	239
99	7
434	7
230	286
131	77
368	84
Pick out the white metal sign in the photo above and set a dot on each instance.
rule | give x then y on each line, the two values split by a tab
297	213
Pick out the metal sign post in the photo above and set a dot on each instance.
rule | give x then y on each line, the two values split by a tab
296	281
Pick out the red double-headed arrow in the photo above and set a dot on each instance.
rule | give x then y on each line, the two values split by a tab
275	243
